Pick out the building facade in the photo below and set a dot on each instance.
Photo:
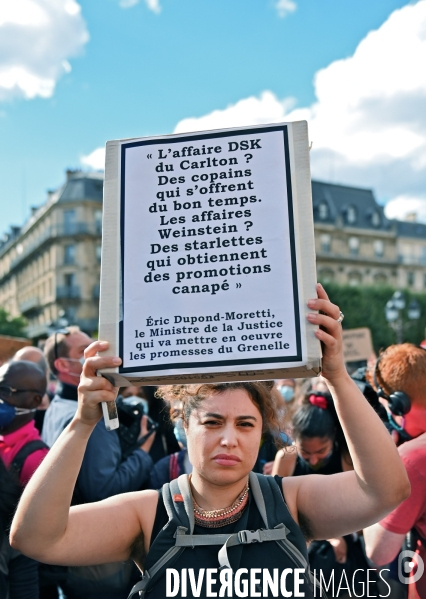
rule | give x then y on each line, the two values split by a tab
50	268
357	245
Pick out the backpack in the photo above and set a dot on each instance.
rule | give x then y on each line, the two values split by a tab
178	503
29	448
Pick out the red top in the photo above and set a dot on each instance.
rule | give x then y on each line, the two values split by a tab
10	445
412	512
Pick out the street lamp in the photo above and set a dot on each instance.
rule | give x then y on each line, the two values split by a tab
394	314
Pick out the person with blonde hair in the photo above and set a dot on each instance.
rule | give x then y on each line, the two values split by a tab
221	503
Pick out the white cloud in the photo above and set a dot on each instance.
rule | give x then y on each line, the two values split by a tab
95	160
37	37
153	5
368	123
405	205
250	111
285	7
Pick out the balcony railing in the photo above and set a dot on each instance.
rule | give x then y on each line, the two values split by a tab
72	292
55	232
412	260
30	304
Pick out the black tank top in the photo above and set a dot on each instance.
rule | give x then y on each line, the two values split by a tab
266	556
333	466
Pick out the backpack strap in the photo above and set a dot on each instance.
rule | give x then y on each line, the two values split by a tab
266	493
183	501
178	503
179	506
29	448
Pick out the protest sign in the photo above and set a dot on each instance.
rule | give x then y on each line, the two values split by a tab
208	256
357	344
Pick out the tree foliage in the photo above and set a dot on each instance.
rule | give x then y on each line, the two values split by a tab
365	307
15	327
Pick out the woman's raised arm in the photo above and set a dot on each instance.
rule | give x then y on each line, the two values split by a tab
45	527
331	506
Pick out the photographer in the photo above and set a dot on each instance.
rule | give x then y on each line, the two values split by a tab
399	377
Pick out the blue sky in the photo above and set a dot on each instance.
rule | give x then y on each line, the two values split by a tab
75	74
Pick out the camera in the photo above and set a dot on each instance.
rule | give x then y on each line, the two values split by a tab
359	377
130	411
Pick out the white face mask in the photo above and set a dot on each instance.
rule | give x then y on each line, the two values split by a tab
80	360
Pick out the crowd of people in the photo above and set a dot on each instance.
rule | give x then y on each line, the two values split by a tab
367	432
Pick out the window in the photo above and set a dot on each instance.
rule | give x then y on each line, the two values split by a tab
69	280
410	278
380	278
323	211
98	221
354	278
351	215
378	248
353	246
326	275
98	252
325	242
71	314
69	222
375	219
69	254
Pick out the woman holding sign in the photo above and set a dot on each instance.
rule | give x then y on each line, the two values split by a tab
222	511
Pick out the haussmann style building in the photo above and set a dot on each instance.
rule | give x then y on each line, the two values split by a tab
50	268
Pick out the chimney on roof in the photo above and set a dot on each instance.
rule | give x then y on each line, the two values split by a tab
15	230
71	173
33	210
411	217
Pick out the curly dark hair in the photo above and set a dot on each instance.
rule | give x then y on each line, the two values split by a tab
260	392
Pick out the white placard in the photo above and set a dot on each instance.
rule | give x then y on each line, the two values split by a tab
214	239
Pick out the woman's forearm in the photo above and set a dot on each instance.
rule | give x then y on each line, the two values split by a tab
43	510
375	458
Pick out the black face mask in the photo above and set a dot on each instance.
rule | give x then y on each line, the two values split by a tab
403	436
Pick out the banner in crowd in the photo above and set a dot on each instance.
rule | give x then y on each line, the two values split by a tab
208	256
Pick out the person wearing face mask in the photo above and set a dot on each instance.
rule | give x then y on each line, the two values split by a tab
64	354
105	472
22	386
175	464
320	448
287	389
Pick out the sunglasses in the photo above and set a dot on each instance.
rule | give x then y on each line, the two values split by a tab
6	392
59	332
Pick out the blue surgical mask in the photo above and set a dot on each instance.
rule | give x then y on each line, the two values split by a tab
287	392
179	432
8	413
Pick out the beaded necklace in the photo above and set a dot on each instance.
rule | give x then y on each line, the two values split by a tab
223	516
